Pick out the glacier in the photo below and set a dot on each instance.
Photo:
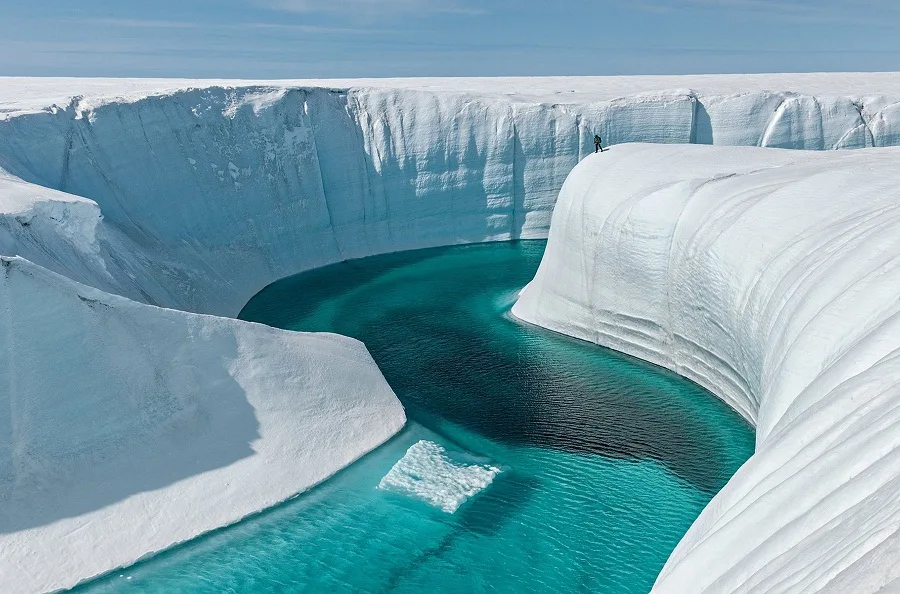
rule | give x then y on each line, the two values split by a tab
769	277
240	184
137	215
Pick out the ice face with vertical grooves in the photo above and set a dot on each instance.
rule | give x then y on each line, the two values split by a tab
242	185
769	277
193	195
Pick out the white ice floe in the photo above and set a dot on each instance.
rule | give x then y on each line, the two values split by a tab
443	479
773	279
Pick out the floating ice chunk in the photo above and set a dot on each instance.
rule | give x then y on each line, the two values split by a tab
443	479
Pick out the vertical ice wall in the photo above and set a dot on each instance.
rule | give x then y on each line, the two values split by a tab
207	195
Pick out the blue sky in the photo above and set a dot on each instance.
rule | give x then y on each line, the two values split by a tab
355	38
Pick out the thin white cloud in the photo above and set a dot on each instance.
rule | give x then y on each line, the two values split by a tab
136	23
259	26
793	11
375	7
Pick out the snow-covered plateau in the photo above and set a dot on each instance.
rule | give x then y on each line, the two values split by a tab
131	208
772	278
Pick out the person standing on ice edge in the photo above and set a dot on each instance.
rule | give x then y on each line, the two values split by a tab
597	141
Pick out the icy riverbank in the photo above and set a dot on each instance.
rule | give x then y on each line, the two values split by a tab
129	428
769	277
193	195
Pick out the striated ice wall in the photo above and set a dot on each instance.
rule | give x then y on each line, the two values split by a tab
771	278
209	194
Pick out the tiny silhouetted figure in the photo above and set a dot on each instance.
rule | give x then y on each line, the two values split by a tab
597	141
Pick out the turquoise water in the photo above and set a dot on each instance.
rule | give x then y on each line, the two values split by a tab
605	460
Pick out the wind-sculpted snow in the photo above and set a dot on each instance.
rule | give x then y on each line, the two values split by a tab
128	428
771	278
194	195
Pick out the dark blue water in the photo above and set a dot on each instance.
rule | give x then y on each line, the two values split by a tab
605	460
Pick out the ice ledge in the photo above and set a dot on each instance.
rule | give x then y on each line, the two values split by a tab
770	277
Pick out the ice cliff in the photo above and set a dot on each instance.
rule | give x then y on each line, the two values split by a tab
118	196
769	277
210	192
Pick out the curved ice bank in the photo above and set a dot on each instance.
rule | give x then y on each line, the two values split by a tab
771	278
127	428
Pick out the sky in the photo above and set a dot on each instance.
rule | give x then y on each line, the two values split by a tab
398	38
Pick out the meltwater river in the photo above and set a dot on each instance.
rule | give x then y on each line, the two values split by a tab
604	460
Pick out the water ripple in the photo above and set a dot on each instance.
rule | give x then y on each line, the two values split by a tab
606	460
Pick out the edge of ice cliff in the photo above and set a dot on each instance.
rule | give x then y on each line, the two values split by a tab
211	190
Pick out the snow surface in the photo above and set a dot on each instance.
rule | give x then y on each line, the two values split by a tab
771	278
129	428
28	95
194	195
440	478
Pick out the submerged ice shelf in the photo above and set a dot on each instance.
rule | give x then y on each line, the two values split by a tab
769	277
193	195
429	472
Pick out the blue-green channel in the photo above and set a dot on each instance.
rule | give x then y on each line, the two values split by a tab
606	459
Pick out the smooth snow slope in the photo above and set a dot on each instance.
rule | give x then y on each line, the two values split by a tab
771	278
128	428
